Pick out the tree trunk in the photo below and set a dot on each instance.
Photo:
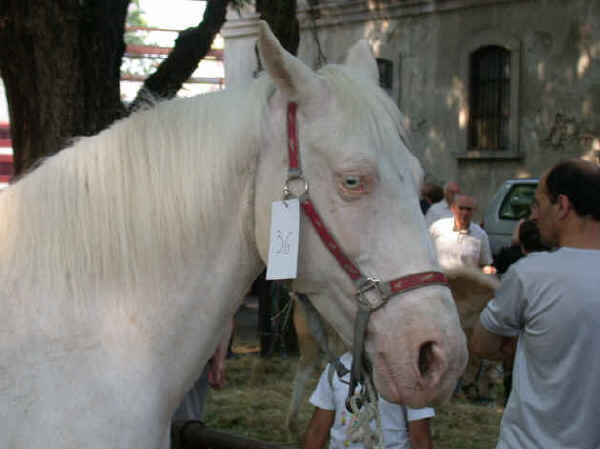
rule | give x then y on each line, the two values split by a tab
281	17
60	63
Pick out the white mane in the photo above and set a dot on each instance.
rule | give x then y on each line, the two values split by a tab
139	193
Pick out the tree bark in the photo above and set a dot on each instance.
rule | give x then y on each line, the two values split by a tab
281	17
191	47
60	63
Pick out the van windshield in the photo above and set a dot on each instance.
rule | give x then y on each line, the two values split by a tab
517	204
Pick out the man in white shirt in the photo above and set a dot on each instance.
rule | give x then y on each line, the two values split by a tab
403	428
550	300
441	209
458	241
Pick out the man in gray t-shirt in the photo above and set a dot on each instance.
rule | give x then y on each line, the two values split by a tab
551	301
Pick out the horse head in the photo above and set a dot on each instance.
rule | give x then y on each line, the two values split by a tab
364	183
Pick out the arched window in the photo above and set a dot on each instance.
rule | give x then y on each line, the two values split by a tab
488	118
489	99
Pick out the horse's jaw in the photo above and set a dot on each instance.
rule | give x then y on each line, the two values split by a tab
417	347
415	343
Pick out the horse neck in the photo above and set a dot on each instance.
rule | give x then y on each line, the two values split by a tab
206	269
212	291
164	259
217	261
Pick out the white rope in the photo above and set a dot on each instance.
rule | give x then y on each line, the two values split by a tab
359	430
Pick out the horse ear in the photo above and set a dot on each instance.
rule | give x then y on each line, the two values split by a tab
289	74
361	58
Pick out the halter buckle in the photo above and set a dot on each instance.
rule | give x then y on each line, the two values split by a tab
370	293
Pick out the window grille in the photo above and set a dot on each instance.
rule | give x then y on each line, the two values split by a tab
386	73
489	99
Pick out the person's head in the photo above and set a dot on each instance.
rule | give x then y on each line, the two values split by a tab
425	191
567	191
529	237
462	209
435	193
451	189
432	192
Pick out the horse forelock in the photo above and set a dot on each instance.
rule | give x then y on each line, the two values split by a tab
141	193
365	106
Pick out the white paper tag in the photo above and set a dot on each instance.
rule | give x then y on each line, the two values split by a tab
283	246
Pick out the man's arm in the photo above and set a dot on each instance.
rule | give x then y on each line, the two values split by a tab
216	372
490	346
485	256
317	432
419	434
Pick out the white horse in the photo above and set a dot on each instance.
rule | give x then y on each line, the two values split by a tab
122	257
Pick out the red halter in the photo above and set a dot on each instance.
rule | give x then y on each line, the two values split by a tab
364	284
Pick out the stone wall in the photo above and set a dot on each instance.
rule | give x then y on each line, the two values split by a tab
555	50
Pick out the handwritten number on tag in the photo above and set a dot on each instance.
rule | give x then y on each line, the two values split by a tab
284	243
283	247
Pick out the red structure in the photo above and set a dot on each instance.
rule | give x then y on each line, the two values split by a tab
6	158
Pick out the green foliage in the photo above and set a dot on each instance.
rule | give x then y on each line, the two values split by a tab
135	18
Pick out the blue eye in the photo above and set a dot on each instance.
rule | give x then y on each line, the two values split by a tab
352	182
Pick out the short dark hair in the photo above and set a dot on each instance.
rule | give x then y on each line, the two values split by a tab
579	181
529	237
435	193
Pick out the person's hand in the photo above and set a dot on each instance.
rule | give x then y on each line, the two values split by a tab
216	364
216	373
489	269
509	347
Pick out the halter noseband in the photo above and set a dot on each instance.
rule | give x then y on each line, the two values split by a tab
371	293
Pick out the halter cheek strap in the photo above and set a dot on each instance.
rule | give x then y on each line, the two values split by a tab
371	293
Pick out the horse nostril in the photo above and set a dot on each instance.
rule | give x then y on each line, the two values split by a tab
426	357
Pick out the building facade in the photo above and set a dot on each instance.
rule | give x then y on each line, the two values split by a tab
491	89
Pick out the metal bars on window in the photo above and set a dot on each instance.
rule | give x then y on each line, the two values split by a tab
489	99
386	73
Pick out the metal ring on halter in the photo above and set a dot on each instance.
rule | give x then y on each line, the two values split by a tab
287	193
367	285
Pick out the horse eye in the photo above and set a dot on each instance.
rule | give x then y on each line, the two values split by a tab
352	182
352	187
